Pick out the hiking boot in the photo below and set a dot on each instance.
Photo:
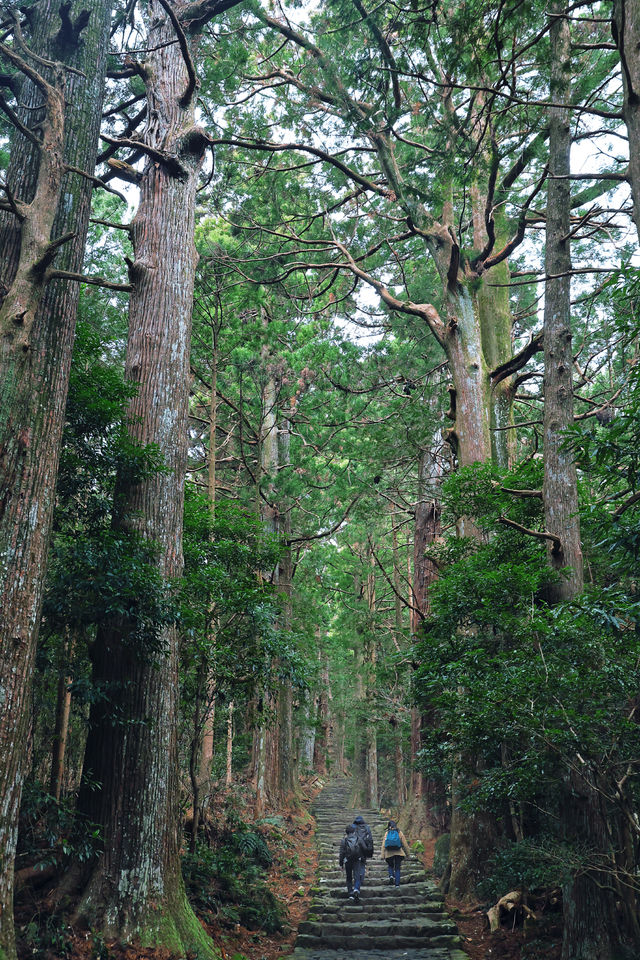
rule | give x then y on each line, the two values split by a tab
391	881
356	896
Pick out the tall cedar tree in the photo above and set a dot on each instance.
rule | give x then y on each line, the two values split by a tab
45	201
135	891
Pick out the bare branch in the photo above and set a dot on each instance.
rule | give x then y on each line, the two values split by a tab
95	180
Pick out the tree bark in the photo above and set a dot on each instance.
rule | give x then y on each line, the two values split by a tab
135	893
589	906
266	736
626	33
560	492
228	780
34	379
63	712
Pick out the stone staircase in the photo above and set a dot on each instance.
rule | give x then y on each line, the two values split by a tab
388	922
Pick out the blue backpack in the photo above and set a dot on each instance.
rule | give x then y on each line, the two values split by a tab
393	840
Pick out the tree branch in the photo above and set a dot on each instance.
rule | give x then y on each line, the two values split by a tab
538	534
18	124
197	14
92	281
168	160
425	311
95	180
272	147
518	360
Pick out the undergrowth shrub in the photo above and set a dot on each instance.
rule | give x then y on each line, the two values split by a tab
227	881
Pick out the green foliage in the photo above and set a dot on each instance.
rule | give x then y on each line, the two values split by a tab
113	575
47	935
227	881
50	831
528	865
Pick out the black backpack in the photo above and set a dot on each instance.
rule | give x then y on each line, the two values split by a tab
352	847
365	838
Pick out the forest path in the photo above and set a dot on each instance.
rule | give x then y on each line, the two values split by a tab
407	922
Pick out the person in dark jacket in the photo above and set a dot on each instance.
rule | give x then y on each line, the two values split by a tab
394	849
352	860
364	835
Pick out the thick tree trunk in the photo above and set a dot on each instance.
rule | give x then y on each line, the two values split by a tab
34	378
135	892
470	436
626	33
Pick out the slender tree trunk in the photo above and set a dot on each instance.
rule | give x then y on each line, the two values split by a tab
206	757
424	792
266	736
322	726
34	379
626	33
61	730
135	892
371	731
308	730
589	907
560	492
288	770
228	780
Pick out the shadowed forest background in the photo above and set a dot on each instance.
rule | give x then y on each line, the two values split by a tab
319	456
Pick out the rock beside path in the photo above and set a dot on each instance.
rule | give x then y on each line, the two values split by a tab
388	923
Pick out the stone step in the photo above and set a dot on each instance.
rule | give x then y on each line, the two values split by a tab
397	941
378	886
402	908
415	953
364	926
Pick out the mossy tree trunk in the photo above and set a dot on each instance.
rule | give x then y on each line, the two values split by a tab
135	893
35	360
